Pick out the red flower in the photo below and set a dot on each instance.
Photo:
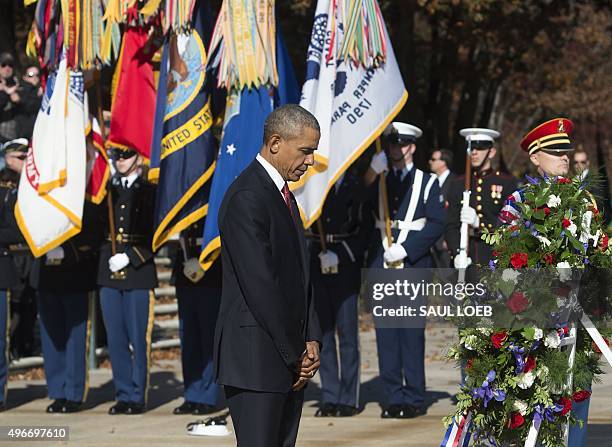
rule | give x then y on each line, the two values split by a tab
596	348
517	302
469	364
567	405
563	180
516	420
566	222
546	211
513	228
495	253
530	364
604	242
499	338
581	395
519	260
549	259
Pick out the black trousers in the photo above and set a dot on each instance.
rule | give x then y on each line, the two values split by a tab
264	419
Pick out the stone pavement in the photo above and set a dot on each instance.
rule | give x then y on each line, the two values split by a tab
158	427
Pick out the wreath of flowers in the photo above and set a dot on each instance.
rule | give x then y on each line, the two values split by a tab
516	373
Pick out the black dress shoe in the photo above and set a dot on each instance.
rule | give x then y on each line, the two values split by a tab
71	406
410	412
326	410
201	409
186	408
346	411
392	412
135	408
56	406
120	407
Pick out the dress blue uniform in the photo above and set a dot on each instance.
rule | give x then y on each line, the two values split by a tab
401	351
10	238
198	305
63	309
127	298
336	295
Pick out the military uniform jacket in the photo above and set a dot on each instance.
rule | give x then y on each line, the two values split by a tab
77	271
192	241
489	191
133	209
11	239
344	224
429	206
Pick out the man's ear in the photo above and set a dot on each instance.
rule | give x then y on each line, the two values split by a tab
492	152
412	148
274	143
535	159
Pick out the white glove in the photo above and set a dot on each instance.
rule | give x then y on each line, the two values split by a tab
328	260
462	260
118	261
192	270
469	216
379	162
55	254
394	253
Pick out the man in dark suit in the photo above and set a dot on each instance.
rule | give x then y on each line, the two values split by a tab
267	335
594	180
440	161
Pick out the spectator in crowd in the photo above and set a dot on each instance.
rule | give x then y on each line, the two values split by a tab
30	93
9	98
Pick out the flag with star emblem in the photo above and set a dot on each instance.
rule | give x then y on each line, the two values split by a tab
245	114
184	149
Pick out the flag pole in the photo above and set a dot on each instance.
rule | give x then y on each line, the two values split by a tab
384	195
109	199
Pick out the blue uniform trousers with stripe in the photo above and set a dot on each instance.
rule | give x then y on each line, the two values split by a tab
63	332
198	308
128	318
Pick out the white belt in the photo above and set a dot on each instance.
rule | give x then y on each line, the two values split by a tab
413	225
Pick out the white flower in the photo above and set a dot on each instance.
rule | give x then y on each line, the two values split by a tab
538	334
552	340
520	406
586	227
564	270
470	341
510	275
545	241
525	380
596	238
553	201
572	228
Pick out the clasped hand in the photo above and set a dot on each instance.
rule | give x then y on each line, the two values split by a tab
308	365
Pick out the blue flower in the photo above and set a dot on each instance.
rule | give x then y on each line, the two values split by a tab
533	181
492	265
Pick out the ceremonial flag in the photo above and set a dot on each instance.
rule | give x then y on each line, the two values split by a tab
52	187
242	138
353	101
133	102
184	149
98	167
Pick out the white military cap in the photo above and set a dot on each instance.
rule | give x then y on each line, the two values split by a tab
398	132
479	137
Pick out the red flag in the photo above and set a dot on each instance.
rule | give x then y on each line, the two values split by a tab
98	169
134	93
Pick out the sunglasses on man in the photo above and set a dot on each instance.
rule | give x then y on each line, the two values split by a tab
6	64
119	154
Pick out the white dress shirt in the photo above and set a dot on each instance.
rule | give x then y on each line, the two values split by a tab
442	177
128	181
273	173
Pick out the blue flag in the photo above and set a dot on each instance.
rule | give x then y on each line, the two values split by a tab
245	114
184	149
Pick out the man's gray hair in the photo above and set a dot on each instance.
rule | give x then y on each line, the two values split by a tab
288	121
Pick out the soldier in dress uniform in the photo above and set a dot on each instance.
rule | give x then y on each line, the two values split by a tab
489	188
11	241
63	279
126	279
415	229
336	278
199	296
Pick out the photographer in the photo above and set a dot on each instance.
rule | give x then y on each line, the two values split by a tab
9	98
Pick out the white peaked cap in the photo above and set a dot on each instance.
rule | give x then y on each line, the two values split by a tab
479	134
404	130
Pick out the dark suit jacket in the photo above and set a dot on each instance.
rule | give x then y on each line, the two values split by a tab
266	313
